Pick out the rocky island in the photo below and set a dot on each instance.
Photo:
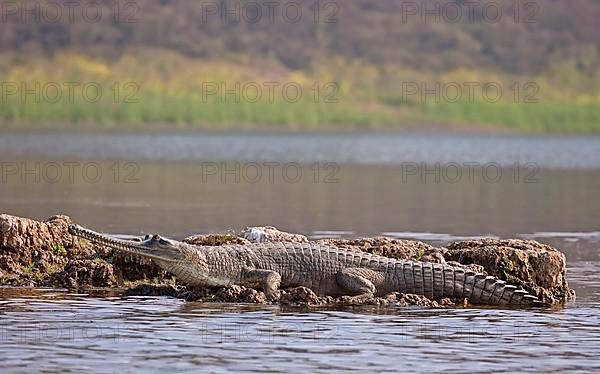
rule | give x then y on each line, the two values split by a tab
44	254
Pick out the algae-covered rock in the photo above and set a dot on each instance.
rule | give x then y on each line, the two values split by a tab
30	250
34	253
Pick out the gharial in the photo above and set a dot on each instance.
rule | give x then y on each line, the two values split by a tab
326	270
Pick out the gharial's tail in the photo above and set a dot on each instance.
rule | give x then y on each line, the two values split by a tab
129	246
437	281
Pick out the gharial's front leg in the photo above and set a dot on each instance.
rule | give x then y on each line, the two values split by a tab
359	283
268	280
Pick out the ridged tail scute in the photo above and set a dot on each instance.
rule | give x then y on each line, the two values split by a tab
438	281
123	245
428	280
407	272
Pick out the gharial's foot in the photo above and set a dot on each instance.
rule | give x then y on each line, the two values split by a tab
269	280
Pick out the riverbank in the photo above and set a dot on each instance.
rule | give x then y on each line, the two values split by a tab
135	92
44	254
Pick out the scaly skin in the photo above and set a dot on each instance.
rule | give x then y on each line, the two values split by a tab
324	269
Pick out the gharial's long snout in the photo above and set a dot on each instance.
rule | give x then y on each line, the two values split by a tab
154	247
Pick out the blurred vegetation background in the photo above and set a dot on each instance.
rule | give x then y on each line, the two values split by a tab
158	63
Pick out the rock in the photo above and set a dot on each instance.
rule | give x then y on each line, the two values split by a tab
297	296
471	267
241	294
152	290
190	293
306	297
303	296
270	234
26	236
536	267
436	255
399	299
30	250
130	268
88	273
388	247
36	254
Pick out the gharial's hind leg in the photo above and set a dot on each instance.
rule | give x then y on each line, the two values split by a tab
268	280
358	282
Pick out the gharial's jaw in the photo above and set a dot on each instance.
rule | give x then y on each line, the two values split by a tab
152	247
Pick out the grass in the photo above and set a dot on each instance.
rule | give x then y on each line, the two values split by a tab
419	255
173	97
542	117
59	249
33	271
185	111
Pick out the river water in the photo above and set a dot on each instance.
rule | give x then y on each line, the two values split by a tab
435	188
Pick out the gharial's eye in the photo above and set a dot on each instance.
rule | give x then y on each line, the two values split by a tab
164	242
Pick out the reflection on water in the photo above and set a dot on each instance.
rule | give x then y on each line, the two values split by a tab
177	185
